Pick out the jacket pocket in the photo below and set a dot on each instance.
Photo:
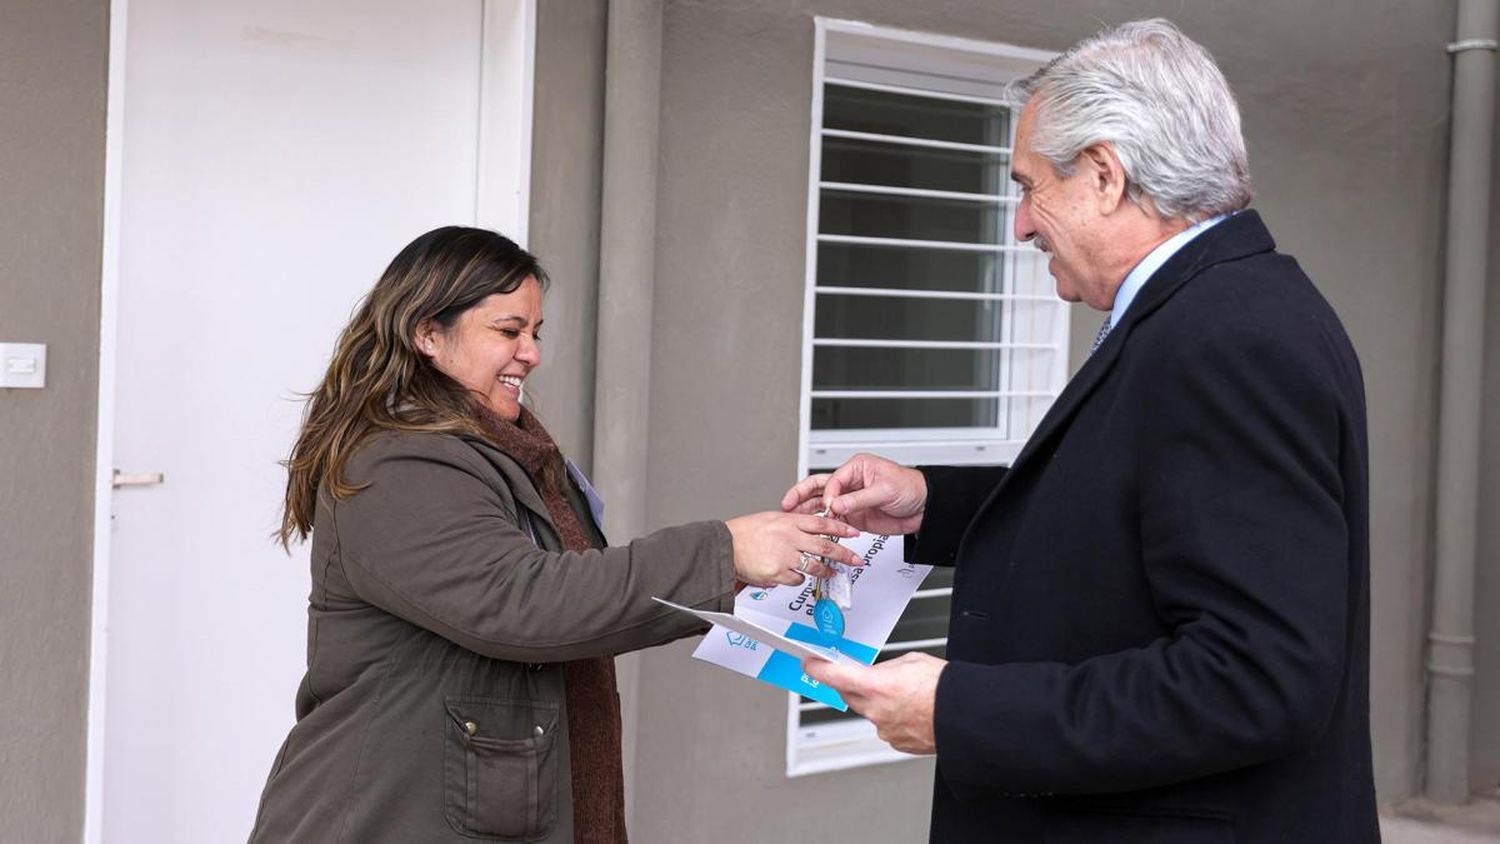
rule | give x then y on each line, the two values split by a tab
500	767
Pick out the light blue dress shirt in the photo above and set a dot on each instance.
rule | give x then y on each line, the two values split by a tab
1151	263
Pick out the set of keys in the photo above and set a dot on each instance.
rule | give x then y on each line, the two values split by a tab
831	595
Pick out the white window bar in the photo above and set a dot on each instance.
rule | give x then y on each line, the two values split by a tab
914	645
909	141
955	246
929	344
931	394
907	293
827	439
1007	371
918	92
996	444
922	193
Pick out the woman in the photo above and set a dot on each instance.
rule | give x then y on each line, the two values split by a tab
464	612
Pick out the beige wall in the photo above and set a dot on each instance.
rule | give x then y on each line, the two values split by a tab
1345	113
52	86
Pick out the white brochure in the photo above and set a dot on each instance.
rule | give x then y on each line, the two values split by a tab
772	630
746	627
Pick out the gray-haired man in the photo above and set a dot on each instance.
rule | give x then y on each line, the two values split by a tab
1160	627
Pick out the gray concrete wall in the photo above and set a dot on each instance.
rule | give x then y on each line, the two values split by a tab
567	147
1484	761
1345	108
1356	191
53	72
566	189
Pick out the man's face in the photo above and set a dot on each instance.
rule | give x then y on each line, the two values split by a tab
1063	217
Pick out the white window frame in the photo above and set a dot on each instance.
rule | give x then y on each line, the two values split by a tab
888	59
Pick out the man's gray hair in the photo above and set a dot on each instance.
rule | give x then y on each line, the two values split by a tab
1159	99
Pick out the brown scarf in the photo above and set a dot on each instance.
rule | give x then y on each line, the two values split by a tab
594	743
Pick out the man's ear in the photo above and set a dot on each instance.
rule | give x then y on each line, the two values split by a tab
1106	175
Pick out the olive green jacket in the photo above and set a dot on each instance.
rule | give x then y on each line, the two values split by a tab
432	709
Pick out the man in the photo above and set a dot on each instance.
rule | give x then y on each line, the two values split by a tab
1160	624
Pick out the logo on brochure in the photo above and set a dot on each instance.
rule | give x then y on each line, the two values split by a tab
740	640
758	595
830	619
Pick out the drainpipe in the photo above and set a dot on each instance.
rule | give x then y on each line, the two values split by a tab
1450	644
627	272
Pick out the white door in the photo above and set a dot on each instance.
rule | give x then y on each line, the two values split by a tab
275	156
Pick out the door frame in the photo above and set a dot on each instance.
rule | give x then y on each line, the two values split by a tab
502	201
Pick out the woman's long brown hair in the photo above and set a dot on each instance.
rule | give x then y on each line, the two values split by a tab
378	380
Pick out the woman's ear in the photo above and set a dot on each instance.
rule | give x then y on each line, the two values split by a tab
427	339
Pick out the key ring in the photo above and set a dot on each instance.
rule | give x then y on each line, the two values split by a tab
826	612
802	563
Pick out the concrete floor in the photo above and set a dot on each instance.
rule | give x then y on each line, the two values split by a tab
1408	831
1419	822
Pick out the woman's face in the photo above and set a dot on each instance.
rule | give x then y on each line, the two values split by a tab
492	346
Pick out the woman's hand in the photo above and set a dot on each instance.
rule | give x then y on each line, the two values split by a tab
768	547
872	493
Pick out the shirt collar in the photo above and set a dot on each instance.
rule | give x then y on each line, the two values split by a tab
1153	261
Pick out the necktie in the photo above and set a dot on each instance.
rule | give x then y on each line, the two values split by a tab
1103	332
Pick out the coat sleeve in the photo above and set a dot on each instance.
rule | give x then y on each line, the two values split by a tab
431	541
954	495
1245	547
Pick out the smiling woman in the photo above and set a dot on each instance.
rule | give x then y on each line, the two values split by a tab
491	347
465	610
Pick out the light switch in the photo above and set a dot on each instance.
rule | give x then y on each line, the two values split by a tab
23	365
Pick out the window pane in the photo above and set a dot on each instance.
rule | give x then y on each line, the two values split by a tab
844	414
885	113
940	578
906	166
889	318
914	218
886	267
926	618
839	368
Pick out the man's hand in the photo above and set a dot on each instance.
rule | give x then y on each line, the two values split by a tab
872	493
896	696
